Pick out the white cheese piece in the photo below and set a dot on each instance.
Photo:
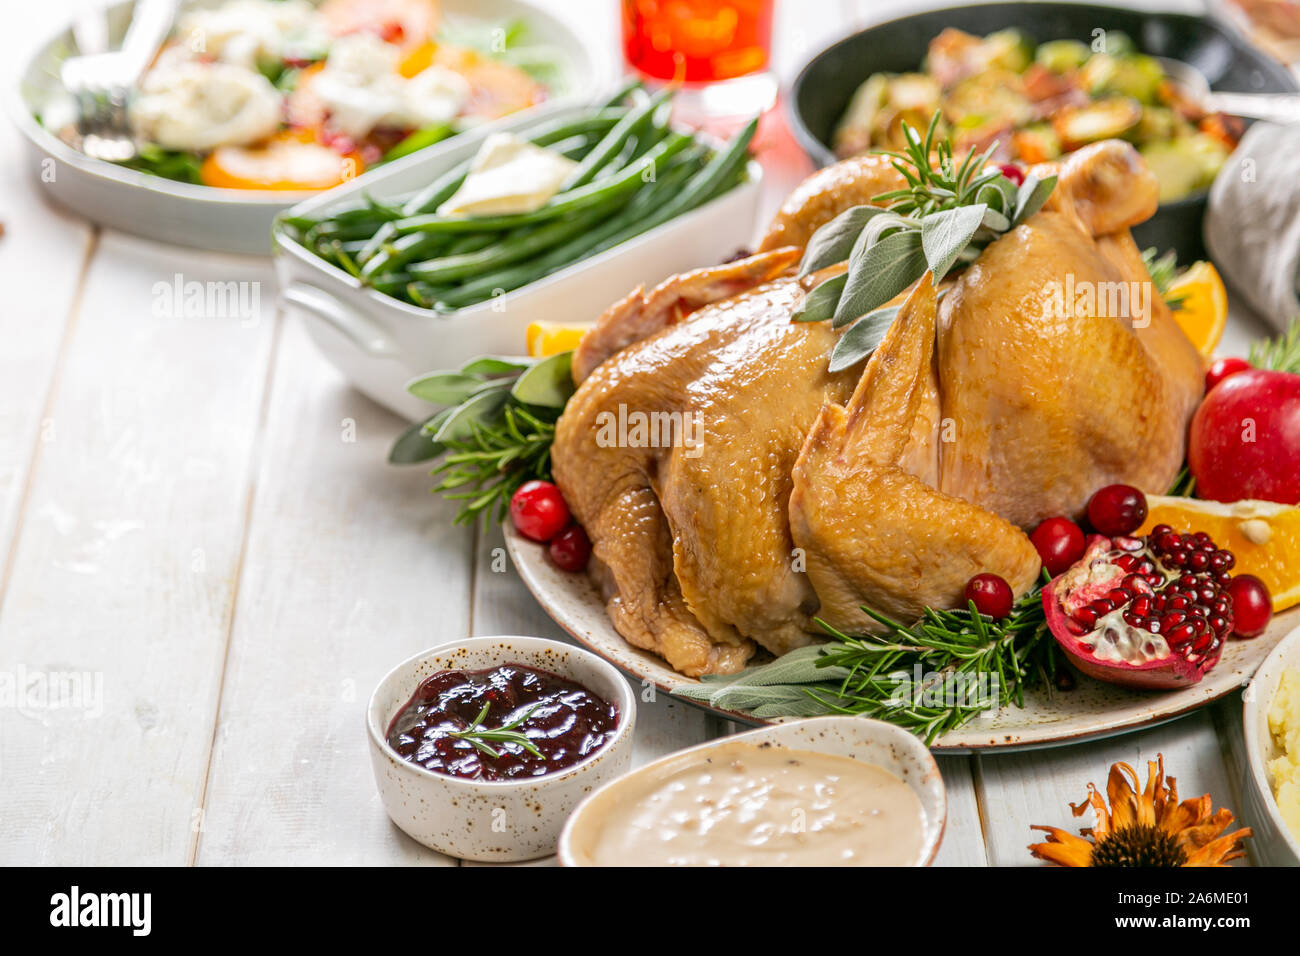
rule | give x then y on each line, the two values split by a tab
508	175
361	88
246	31
188	105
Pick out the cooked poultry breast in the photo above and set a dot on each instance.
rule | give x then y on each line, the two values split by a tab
734	489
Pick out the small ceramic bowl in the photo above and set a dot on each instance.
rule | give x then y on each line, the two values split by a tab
493	821
1274	843
871	741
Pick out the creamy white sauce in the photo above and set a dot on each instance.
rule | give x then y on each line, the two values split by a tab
361	88
747	805
187	105
508	175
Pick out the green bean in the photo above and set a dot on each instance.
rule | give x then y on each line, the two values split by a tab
628	181
609	147
513	248
703	186
628	89
633	212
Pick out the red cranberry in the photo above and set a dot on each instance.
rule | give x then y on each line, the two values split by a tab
1252	605
991	594
1222	368
1059	542
538	510
1013	173
571	549
1116	510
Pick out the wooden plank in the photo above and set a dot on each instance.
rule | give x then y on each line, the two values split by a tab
351	567
963	838
1037	787
124	568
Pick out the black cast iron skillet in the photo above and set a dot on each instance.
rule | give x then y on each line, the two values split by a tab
822	90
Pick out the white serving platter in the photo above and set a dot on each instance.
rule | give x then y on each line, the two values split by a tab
1090	711
228	220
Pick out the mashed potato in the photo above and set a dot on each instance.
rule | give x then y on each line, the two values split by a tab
1284	722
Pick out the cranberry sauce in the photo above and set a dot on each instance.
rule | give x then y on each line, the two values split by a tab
565	721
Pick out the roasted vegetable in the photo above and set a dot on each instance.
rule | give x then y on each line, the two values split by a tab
1061	56
1105	119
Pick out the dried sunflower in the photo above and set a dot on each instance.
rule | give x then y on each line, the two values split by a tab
1148	828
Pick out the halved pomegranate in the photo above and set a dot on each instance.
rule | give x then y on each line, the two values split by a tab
1150	612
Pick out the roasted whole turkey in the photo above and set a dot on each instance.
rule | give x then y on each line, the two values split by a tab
787	493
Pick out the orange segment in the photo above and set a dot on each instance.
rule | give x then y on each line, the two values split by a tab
1264	536
551	338
1203	308
418	60
290	161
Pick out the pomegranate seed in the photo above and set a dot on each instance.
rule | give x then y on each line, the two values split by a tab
1086	617
1126	561
1154	625
1135	620
1160	602
1208	593
1252	606
1117	510
1176	558
1181	634
1198	560
1202	643
1166	541
1125	543
991	595
1223	577
1178	602
1218	624
1076	628
1221	606
1201	539
1156	580
1137	585
1173	619
1187	581
1118	596
1142	605
1160	529
1102	606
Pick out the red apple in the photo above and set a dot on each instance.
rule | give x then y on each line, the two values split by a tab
1245	438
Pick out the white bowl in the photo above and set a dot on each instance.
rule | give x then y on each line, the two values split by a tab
1274	844
380	343
871	741
228	220
493	821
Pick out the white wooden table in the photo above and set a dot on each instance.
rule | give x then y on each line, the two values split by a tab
196	514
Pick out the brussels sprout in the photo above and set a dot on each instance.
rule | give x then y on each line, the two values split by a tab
1008	49
1185	165
1104	119
1061	56
1132	75
1117	43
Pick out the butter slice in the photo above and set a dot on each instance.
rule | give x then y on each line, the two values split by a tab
508	175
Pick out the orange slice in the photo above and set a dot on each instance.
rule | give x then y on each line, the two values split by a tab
1264	536
291	161
551	338
1203	307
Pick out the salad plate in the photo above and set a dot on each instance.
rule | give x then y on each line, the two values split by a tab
1090	711
228	219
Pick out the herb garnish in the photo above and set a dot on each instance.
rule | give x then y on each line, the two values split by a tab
944	218
873	675
1281	354
494	432
478	735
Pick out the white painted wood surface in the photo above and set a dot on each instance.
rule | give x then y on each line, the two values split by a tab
197	512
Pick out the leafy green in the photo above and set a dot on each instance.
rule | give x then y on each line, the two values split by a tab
1281	354
167	163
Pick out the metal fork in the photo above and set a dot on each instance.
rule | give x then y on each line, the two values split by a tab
100	84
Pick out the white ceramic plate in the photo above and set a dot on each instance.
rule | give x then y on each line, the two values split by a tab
228	220
1090	711
1274	844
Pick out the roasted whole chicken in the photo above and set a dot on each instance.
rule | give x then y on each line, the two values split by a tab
774	492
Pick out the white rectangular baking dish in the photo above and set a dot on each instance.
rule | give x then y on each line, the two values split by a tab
228	220
379	343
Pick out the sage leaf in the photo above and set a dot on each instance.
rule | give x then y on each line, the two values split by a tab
480	409
862	338
881	272
445	388
416	443
1033	193
995	221
946	233
819	304
834	241
1000	194
549	383
497	365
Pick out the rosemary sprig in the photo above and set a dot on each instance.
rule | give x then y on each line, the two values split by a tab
930	677
494	430
494	461
1281	354
1163	270
479	735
